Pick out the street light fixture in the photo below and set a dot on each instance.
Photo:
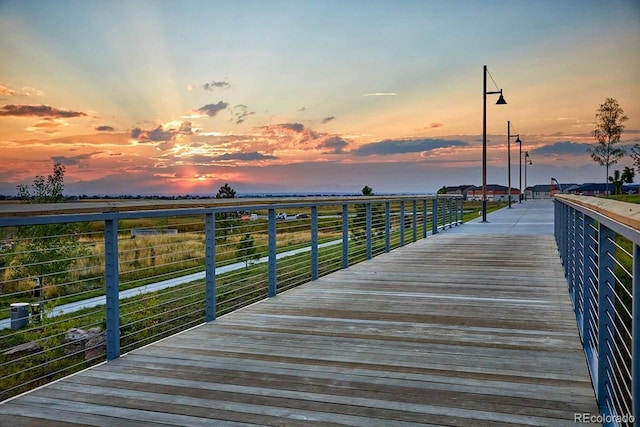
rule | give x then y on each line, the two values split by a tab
527	160
500	101
509	136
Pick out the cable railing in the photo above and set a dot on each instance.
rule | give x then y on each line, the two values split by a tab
81	284
599	243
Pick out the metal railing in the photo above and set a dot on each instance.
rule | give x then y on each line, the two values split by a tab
82	284
599	243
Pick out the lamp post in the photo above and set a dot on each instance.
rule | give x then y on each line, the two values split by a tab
527	160
517	137
500	101
520	182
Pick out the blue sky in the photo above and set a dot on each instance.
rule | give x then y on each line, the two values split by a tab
181	97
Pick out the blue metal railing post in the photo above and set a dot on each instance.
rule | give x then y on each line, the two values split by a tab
571	256
210	266
112	288
345	236
273	286
387	226
635	336
444	213
424	218
314	242
369	226
434	216
450	212
415	221
606	313
402	223
455	212
589	279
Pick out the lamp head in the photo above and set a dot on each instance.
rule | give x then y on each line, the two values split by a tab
501	100
518	140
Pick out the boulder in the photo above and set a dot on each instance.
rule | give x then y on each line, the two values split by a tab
96	346
28	347
76	339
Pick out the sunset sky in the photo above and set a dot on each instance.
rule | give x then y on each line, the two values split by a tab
181	97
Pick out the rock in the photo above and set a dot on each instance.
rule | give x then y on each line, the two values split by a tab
96	346
28	347
76	339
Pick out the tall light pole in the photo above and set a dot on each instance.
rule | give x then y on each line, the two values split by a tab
527	160
520	182
517	137
501	101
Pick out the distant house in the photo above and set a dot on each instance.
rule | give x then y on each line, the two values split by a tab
597	189
458	189
494	192
590	189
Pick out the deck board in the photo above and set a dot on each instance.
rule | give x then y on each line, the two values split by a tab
453	330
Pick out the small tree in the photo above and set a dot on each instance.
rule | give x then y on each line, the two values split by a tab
628	174
443	190
609	126
360	220
616	180
246	250
46	252
227	220
635	155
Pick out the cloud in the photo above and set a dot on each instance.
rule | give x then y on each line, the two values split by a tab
401	146
6	91
162	133
105	128
328	119
79	160
47	125
434	125
336	144
252	156
563	147
216	84
301	109
298	127
38	111
380	94
212	109
241	112
31	91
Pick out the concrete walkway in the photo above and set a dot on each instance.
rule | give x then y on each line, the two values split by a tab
531	217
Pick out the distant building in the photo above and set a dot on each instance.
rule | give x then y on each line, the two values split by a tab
458	189
494	192
597	189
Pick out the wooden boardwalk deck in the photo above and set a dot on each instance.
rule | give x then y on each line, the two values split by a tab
454	330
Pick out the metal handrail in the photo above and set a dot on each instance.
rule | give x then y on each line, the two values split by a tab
604	238
207	286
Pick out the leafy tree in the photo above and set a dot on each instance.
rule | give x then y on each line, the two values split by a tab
617	182
246	250
360	220
635	155
227	220
226	192
628	174
609	126
443	190
46	251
